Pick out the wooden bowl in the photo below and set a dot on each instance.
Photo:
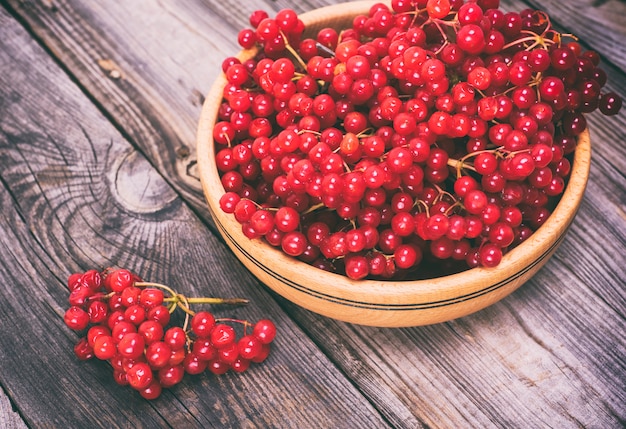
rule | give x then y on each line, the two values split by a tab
372	302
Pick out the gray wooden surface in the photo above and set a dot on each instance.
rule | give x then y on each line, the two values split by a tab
98	109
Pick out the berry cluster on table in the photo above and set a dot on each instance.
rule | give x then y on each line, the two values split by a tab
430	137
128	323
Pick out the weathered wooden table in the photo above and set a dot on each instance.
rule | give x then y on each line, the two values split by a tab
98	109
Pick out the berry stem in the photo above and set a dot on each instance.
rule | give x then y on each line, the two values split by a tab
177	298
183	303
325	49
459	164
424	206
228	301
188	315
314	207
536	39
293	52
443	193
245	323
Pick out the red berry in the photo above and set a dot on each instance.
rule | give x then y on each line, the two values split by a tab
158	354
490	255
438	8
139	376
74	280
91	279
131	345
82	350
150	298
203	348
151	331
177	357
98	312
120	279
159	314
217	367
152	391
104	347
76	318
202	324
240	364
171	375
96	331
193	364
471	39
610	103
249	346
175	337
228	354
222	335
263	354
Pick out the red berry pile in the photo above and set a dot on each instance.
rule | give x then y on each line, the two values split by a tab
127	323
430	137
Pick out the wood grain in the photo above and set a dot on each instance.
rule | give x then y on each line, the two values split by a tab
10	419
550	355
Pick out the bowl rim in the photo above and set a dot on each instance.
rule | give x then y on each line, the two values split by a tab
372	293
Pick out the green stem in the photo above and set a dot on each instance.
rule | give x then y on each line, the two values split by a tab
313	208
212	301
182	302
458	165
188	315
293	52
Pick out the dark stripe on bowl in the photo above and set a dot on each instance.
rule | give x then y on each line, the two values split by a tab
387	307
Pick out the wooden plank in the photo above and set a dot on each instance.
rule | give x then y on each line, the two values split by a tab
532	360
75	195
9	418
